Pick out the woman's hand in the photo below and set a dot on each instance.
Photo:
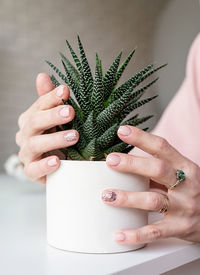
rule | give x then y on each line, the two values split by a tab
33	138
182	220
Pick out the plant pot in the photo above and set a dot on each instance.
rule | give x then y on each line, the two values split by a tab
77	218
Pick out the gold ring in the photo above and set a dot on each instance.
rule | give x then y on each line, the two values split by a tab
165	206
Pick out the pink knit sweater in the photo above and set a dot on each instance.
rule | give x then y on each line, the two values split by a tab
180	122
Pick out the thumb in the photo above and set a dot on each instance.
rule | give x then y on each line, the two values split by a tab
43	84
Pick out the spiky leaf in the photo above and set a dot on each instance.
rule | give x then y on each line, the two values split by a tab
72	153
108	137
60	74
130	82
109	78
116	148
106	116
133	106
85	68
54	81
84	97
123	67
72	69
75	58
90	127
97	97
92	151
136	121
99	66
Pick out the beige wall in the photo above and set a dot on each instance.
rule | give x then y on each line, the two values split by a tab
32	31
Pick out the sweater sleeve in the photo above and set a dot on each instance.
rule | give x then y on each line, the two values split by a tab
180	122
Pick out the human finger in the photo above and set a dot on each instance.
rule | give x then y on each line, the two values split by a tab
156	169
43	120
146	234
37	170
150	143
44	84
52	98
45	102
152	201
35	146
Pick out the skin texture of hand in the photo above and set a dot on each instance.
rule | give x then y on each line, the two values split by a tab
37	139
182	220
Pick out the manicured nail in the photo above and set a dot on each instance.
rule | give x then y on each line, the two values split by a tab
109	196
113	159
124	130
120	236
70	136
64	112
60	91
52	161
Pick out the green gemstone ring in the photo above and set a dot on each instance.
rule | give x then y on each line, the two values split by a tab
180	176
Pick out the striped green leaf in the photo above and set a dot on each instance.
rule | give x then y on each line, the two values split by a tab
71	68
132	106
85	68
108	137
75	58
123	67
109	78
97	97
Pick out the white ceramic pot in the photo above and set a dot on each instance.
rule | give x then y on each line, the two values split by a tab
77	218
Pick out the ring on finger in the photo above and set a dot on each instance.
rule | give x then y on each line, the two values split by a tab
165	205
180	176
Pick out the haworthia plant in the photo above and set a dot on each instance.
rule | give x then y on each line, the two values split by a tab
100	106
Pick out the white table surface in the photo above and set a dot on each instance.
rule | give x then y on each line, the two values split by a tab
23	247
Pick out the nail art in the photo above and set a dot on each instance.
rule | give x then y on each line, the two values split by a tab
109	196
70	136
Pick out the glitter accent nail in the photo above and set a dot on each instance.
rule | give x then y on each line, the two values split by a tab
109	196
70	136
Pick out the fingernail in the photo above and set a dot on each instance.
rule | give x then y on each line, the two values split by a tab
60	91
52	161
109	196
113	159
120	236
70	136
64	112
124	130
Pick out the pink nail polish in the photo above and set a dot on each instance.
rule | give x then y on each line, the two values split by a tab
64	112
113	159
52	161
60	91
120	236
124	130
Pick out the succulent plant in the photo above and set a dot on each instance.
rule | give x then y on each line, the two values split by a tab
101	107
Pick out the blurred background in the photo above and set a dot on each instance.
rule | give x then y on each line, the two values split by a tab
33	31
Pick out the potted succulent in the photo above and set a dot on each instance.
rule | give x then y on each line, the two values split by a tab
77	218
